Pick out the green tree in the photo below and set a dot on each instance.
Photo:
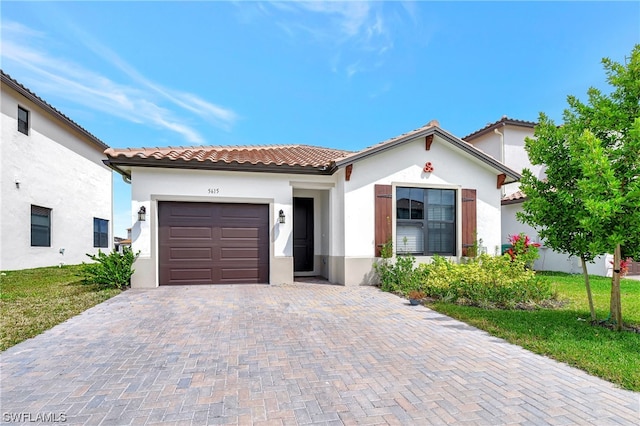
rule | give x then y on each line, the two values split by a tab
589	203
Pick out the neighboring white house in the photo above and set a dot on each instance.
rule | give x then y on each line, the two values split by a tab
121	243
265	214
504	139
56	194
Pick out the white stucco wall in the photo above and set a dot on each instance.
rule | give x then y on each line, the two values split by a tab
516	156
151	185
403	166
57	169
513	155
490	143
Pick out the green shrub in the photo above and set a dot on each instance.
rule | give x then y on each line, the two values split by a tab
396	275
485	281
110	271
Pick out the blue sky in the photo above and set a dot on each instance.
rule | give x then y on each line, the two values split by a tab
342	75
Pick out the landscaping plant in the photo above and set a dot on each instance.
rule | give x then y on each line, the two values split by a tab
396	275
489	281
588	203
112	270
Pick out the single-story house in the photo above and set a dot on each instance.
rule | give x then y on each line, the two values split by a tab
266	214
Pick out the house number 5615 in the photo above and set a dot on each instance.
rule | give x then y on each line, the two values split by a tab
213	191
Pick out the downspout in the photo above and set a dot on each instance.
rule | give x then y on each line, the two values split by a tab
501	153
125	176
501	145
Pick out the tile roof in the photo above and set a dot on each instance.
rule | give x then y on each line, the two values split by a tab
516	197
24	91
504	121
304	156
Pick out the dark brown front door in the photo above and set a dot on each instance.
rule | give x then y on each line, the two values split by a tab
634	268
210	243
303	234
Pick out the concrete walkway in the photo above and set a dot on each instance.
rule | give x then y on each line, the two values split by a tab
295	354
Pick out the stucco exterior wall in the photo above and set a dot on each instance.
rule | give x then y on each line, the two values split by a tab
490	143
56	168
516	156
513	154
151	185
403	166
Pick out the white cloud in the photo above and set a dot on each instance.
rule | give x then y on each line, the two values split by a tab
145	102
17	29
357	28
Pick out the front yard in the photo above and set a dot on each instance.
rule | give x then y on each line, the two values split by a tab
565	333
34	300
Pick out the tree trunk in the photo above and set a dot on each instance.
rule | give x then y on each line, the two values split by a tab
588	285
616	308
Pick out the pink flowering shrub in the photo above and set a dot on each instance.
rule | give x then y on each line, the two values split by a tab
624	266
523	250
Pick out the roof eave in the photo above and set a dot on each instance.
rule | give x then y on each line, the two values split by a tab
118	163
516	201
498	124
6	80
512	176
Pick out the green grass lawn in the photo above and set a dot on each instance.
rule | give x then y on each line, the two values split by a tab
565	334
34	300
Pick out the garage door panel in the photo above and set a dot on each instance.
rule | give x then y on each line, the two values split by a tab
231	253
190	253
210	243
189	275
243	273
190	232
240	233
193	211
241	211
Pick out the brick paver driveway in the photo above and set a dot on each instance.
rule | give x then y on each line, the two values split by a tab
295	354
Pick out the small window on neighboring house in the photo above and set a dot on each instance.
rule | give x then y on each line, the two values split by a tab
40	226
100	232
23	120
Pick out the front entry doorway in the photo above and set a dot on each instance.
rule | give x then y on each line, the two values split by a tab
303	235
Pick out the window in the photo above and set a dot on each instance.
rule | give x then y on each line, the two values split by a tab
426	221
40	226
23	120
100	232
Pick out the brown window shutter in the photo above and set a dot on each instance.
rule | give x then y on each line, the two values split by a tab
383	205
469	224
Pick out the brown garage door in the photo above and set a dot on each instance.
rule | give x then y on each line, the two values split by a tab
210	243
